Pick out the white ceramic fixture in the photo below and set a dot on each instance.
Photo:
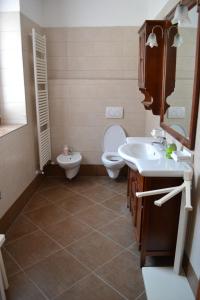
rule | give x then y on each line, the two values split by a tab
114	136
139	153
71	163
143	151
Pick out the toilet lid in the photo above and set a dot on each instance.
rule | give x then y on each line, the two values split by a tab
114	137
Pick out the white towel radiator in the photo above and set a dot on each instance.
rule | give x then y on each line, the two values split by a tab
186	206
165	282
41	97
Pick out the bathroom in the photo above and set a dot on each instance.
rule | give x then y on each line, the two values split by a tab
76	238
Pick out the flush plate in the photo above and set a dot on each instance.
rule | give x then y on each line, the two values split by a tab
114	112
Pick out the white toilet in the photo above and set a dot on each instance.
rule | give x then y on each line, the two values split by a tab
71	163
114	137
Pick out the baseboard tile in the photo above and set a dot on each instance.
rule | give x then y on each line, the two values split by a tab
18	205
85	170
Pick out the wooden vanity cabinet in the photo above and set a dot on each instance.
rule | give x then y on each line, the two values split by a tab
151	64
155	227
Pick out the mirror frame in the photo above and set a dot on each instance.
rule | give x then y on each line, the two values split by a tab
189	143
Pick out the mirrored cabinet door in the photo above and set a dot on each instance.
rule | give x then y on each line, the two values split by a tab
181	89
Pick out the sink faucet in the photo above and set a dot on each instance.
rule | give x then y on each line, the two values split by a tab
161	140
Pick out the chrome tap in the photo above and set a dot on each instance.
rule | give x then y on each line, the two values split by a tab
161	140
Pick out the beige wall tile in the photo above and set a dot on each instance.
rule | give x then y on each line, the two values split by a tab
100	70
131	48
94	74
56	63
97	34
57	49
55	34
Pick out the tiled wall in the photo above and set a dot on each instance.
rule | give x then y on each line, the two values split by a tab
12	97
18	149
89	69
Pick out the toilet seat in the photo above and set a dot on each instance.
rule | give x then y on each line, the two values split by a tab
113	138
112	158
73	158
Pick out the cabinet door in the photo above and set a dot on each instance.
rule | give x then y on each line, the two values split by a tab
159	224
141	66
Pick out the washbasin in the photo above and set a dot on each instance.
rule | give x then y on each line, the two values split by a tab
138	152
143	151
142	155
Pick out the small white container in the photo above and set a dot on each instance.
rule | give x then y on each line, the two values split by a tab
66	150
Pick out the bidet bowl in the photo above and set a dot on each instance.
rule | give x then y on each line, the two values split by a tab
70	163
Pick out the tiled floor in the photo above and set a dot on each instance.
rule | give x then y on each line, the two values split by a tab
74	241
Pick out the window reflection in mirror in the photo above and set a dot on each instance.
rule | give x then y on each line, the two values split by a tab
178	115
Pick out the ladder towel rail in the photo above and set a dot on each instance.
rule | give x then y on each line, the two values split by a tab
41	97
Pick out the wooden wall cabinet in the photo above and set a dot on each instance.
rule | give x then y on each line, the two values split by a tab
151	64
155	227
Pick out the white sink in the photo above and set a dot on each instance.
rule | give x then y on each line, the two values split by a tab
140	154
142	151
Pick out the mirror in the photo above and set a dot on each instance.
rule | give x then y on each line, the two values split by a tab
180	106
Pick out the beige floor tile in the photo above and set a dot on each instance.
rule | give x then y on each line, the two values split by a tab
82	184
49	182
94	250
142	297
75	203
67	231
119	185
47	215
37	201
99	193
55	194
56	273
21	288
134	249
10	265
118	204
20	227
121	231
97	216
67	211
124	274
31	248
90	288
104	180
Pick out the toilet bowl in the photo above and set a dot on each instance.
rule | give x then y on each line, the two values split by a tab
114	137
70	163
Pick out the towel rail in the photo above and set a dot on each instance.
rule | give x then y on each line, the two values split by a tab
41	97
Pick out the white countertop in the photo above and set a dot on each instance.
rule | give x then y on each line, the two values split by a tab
162	167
